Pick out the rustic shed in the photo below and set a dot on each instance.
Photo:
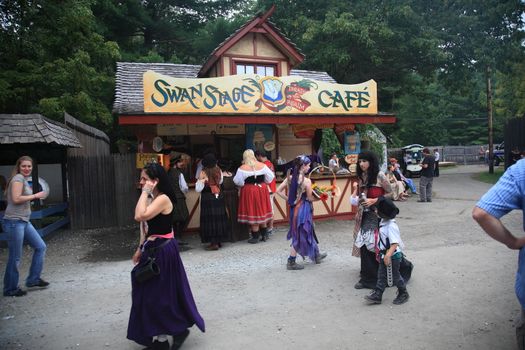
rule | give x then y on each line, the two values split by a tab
46	141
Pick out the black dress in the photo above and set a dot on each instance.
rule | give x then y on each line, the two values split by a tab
214	226
239	231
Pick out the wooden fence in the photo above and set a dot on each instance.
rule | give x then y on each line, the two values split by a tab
102	190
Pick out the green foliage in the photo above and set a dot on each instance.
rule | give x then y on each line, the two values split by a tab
428	58
330	144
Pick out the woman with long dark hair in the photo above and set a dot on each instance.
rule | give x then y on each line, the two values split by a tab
163	305
300	198
371	185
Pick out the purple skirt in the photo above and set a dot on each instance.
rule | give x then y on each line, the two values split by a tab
301	230
163	304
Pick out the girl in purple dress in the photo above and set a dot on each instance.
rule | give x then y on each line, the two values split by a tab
300	198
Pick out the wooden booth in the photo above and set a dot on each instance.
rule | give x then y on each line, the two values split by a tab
246	95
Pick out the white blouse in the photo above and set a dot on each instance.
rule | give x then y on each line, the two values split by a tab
242	175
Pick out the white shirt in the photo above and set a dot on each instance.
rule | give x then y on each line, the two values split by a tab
182	184
436	156
242	174
389	229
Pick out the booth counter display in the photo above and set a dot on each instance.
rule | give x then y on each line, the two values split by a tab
335	207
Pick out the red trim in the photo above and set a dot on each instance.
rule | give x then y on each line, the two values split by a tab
253	119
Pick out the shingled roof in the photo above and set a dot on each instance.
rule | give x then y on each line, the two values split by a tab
129	94
35	128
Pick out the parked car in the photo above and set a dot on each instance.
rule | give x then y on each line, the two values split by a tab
412	155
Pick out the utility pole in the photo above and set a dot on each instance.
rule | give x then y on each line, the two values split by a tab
489	116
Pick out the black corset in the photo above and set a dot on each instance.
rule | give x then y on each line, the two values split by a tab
259	179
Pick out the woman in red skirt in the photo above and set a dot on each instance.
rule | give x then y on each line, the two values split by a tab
254	202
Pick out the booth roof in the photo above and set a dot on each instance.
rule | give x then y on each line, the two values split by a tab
35	128
129	94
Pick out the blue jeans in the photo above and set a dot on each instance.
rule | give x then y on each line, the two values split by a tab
15	231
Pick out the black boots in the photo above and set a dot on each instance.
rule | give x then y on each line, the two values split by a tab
375	297
255	238
292	265
179	339
319	257
157	345
402	296
264	234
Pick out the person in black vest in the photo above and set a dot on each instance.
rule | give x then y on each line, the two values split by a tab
180	188
427	177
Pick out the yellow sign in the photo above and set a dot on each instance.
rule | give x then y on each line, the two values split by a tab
252	94
145	158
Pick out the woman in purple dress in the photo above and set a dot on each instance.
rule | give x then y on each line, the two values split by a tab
300	198
162	306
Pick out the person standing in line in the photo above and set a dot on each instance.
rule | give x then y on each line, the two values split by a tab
255	208
180	209
214	228
162	305
390	253
300	198
272	187
436	162
17	228
506	195
427	177
371	185
231	200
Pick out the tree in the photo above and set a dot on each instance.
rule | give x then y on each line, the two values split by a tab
53	60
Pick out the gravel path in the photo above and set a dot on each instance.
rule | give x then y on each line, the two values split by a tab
462	293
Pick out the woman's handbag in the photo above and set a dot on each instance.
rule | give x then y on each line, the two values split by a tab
150	268
147	271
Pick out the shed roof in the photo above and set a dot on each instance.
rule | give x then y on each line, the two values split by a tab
35	128
129	94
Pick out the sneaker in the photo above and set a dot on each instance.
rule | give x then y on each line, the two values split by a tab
429	200
38	284
292	265
420	201
320	257
375	297
269	231
17	293
402	297
179	339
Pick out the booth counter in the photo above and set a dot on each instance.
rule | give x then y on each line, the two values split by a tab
337	207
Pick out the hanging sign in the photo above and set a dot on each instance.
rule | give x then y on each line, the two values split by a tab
254	94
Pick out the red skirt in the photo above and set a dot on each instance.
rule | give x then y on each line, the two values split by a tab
254	204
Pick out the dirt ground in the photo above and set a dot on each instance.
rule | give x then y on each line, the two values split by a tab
461	293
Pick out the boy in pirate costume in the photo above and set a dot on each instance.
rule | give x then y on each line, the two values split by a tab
389	251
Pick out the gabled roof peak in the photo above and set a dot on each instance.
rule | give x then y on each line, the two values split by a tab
263	25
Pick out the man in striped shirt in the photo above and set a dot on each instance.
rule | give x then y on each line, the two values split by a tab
506	195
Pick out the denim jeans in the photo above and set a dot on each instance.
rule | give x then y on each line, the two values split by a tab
15	232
